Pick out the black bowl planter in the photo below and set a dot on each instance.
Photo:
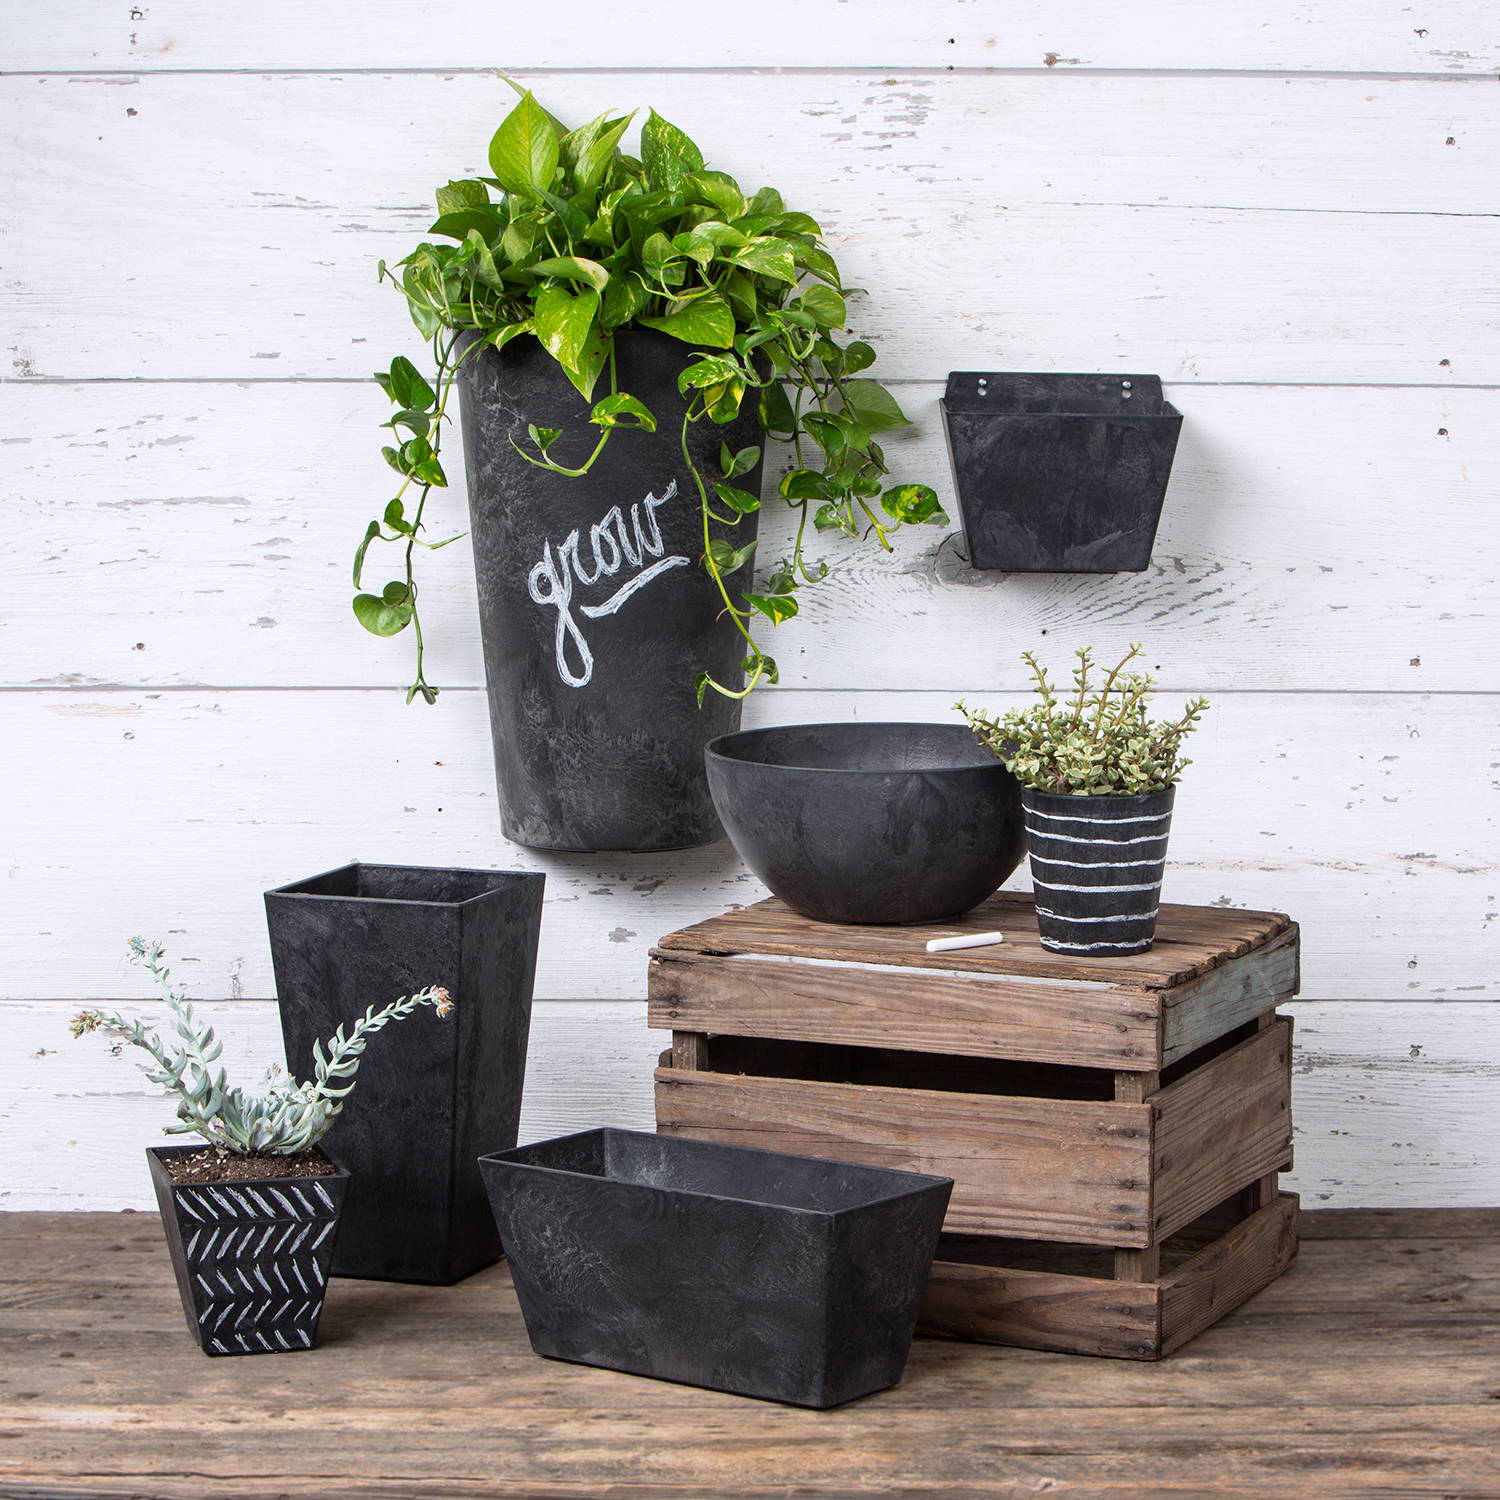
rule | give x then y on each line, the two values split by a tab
1097	866
783	1277
595	614
251	1257
869	823
442	1092
1059	473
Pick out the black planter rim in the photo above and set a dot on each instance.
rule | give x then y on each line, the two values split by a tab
160	1154
914	1182
294	889
720	749
1148	384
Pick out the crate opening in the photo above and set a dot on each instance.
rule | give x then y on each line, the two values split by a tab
886	1067
1061	1258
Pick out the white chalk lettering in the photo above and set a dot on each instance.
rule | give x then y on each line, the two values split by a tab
613	543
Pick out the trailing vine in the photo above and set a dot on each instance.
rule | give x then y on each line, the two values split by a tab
571	240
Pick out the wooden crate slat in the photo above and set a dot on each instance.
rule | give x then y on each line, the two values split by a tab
1190	941
1228	1272
1042	1310
1073	1314
1221	1127
1088	1025
1229	996
1035	1168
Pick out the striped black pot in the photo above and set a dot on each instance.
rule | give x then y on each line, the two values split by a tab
1096	865
251	1257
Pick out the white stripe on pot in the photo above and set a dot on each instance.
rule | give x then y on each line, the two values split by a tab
1134	916
1047	885
1098	864
1094	947
1072	838
1036	812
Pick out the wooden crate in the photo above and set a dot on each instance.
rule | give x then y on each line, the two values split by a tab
1113	1126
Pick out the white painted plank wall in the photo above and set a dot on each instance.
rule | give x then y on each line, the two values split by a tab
1289	212
1380	1114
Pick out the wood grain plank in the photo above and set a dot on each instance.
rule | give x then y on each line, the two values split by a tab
1109	278
1220	1127
1039	1168
378	34
1230	996
1271	543
1227	1272
1342	1377
858	1005
1190	941
1041	1310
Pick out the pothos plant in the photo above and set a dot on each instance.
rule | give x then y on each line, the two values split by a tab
285	1117
571	240
1095	741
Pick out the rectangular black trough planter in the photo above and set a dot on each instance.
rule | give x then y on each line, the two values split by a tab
433	1094
785	1277
1059	473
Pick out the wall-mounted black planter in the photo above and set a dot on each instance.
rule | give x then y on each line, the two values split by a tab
1059	473
433	1097
251	1257
783	1277
1097	866
869	823
595	614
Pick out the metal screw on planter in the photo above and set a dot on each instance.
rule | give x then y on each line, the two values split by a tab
1059	473
416	1207
785	1277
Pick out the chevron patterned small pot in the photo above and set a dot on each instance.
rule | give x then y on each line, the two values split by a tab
1096	867
251	1257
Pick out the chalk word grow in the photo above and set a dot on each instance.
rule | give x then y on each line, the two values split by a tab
615	543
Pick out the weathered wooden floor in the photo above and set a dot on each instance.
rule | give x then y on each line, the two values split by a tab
1371	1368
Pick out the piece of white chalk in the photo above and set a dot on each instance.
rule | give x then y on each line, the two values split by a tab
971	940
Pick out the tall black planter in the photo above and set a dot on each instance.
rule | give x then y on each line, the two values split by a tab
784	1277
1097	866
595	613
251	1257
433	1093
1059	473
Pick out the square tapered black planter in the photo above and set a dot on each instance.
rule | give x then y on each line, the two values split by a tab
433	1093
1059	473
251	1257
785	1277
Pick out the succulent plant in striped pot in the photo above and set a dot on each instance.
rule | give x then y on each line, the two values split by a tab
250	1218
1098	778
